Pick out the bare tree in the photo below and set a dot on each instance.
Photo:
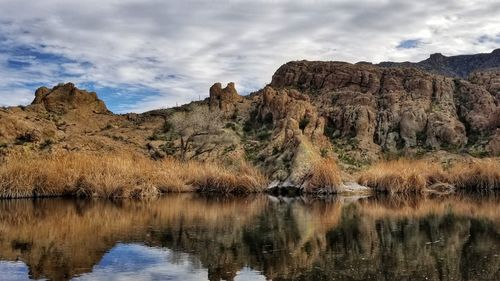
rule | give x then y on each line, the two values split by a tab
199	129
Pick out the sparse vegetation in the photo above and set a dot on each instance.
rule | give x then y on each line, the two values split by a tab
47	144
304	122
28	137
198	129
109	126
264	135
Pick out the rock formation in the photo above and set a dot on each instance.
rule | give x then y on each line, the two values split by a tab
66	97
224	98
394	108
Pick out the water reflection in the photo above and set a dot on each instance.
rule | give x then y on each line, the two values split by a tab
190	237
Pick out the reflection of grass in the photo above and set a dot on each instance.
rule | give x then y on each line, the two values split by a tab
418	207
90	175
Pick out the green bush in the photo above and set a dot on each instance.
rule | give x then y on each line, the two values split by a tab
304	122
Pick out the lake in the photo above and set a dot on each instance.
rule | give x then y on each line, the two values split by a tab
195	237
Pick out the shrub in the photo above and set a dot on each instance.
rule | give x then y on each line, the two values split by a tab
47	144
304	122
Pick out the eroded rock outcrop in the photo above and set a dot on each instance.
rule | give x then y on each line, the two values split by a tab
390	109
224	98
66	97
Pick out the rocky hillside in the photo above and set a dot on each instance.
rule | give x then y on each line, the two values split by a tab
311	111
455	66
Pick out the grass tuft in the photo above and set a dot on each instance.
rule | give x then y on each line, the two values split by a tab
324	177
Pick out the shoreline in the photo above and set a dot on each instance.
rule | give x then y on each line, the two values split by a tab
113	176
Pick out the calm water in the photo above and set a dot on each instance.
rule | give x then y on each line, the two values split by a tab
191	237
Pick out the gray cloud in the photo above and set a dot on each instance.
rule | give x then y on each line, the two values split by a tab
179	48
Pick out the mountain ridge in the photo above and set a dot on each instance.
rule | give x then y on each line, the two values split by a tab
455	66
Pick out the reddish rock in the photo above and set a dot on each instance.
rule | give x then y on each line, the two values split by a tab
224	98
66	97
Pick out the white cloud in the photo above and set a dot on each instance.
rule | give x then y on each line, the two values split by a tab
16	96
131	42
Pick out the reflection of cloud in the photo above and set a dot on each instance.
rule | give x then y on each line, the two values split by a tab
13	271
138	262
127	43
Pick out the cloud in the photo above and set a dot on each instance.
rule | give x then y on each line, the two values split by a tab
164	53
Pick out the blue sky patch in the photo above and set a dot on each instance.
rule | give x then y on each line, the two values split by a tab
488	39
409	44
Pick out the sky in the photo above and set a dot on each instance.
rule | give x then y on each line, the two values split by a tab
140	55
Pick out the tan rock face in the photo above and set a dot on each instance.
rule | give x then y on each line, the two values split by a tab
224	98
67	97
490	80
291	111
394	108
494	144
297	134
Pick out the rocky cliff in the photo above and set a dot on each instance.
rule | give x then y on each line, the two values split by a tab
310	111
393	109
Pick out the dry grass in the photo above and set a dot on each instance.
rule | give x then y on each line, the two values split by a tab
417	176
324	177
112	176
477	175
401	176
246	179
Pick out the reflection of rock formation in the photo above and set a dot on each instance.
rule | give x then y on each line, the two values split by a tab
376	238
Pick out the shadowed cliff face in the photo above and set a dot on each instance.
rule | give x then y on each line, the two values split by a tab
303	239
